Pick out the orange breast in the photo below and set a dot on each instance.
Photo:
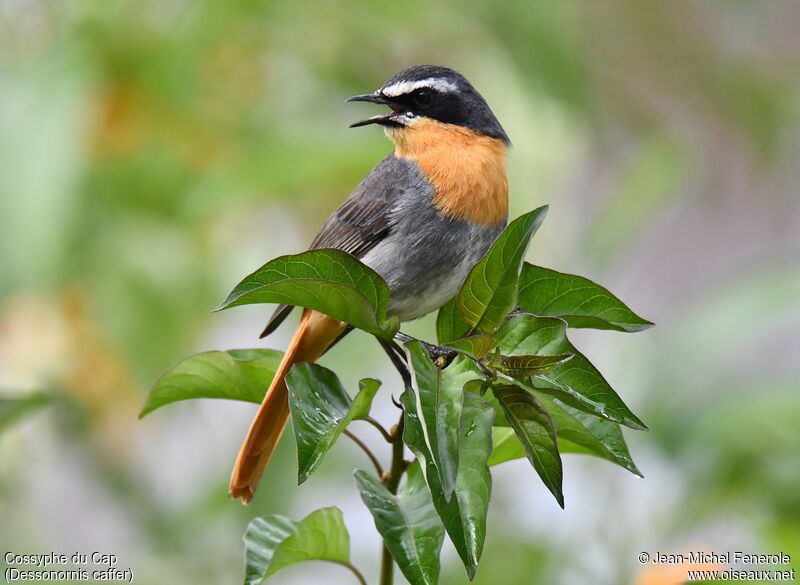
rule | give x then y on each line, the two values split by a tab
467	169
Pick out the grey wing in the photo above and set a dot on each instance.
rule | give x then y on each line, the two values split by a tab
362	221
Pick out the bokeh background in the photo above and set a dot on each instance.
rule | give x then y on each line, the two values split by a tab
153	152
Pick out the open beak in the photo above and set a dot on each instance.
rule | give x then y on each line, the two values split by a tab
387	119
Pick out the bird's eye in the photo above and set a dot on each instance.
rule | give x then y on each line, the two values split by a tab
422	97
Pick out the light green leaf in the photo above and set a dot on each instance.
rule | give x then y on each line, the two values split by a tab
330	281
276	542
449	324
576	382
14	408
464	515
490	291
505	446
235	374
321	410
408	524
537	432
577	300
474	346
362	403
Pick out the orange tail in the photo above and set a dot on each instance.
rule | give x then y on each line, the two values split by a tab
313	337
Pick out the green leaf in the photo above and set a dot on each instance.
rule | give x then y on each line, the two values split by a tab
408	524
577	300
449	324
505	446
362	403
463	516
235	374
528	365
13	409
490	291
537	432
590	434
276	542
577	432
474	346
439	394
330	281
321	410
576	382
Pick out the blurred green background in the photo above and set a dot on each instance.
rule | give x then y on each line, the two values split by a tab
153	152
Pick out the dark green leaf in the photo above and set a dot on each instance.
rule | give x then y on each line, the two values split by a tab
577	432
576	382
439	395
577	300
464	516
449	324
236	374
490	291
590	434
321	410
275	542
13	409
408	524
474	346
330	281
537	432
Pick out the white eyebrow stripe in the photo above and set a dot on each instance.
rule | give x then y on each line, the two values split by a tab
406	87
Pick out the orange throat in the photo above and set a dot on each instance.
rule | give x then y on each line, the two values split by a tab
467	169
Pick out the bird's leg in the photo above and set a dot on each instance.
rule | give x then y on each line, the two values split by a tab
436	352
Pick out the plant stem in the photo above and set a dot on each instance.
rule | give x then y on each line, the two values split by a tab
366	450
357	573
387	567
392	480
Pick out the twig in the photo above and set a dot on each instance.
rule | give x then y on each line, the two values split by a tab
380	428
366	450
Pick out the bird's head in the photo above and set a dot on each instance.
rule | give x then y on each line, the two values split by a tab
435	93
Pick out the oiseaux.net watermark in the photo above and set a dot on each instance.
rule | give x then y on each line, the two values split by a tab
56	567
726	566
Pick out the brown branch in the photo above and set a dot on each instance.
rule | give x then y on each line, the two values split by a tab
366	450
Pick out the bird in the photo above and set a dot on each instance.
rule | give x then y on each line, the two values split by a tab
421	219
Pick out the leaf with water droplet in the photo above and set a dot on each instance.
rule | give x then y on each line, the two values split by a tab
321	410
439	402
464	514
407	522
